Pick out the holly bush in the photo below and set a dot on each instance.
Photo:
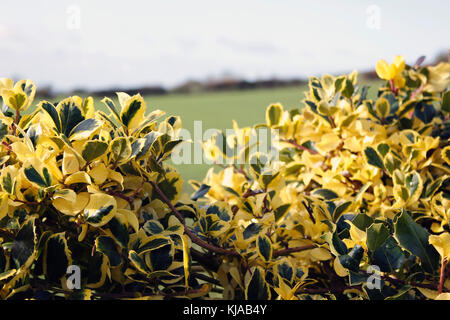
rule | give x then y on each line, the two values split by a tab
355	204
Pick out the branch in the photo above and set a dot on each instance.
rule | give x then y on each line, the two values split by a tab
122	196
195	239
442	276
251	192
298	146
16	121
333	290
412	283
287	251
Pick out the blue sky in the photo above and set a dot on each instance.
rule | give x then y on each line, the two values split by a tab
101	44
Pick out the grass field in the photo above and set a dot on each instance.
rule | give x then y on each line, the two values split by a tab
218	109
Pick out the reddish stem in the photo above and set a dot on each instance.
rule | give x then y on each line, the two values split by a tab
16	121
190	234
285	252
7	145
393	88
442	276
298	146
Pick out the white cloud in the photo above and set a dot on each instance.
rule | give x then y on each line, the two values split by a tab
166	42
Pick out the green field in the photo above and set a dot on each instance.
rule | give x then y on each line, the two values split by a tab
218	109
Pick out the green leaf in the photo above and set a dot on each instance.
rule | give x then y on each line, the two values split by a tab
120	149
169	146
352	259
348	120
383	149
373	158
33	175
136	147
326	194
356	278
414	184
264	247
80	295
340	210
285	271
382	107
161	258
24	244
119	229
362	221
337	246
445	106
3	130
281	211
220	141
8	184
137	262
134	108
111	106
149	138
257	288
97	270
339	83
108	247
56	257
220	211
7	274
70	115
434	186
414	238
50	109
85	128
93	149
325	109
273	114
171	186
349	89
402	294
389	256
153	243
425	112
377	234
98	217
201	191
252	230
152	227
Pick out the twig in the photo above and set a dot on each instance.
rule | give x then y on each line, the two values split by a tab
298	146
16	121
122	196
310	212
413	95
251	192
139	188
333	290
442	275
412	283
195	239
287	251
